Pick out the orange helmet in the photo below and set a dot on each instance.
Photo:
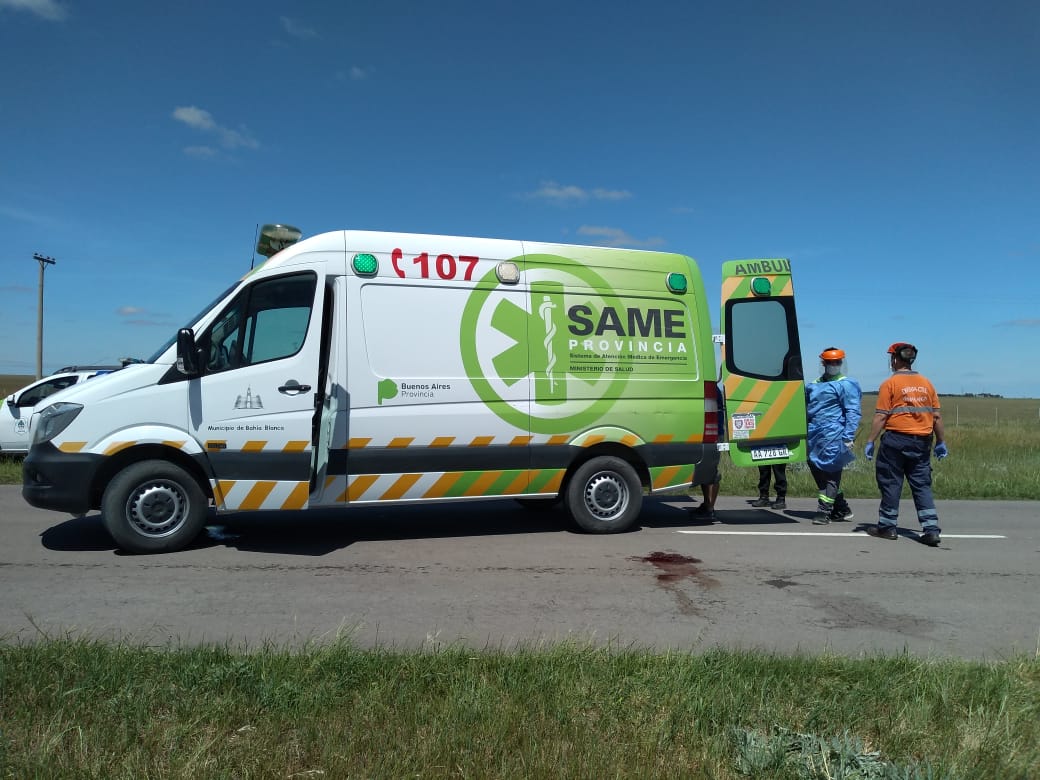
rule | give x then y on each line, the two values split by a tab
832	353
903	351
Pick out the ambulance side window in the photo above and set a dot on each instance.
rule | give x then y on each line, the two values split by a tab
266	321
762	340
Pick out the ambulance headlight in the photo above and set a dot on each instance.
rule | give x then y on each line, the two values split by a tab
53	420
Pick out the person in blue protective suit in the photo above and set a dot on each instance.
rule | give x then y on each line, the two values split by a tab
832	407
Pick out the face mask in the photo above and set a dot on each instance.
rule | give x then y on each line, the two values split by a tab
830	370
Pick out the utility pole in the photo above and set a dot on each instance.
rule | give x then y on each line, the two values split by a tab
44	261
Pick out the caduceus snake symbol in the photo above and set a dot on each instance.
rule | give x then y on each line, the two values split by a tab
545	310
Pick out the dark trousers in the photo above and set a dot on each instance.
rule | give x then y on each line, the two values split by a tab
779	474
902	456
830	498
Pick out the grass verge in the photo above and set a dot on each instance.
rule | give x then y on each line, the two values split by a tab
79	708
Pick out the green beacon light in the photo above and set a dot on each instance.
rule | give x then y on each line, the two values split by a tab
761	287
365	264
677	283
275	238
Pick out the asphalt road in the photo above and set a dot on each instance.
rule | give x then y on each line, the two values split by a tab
491	574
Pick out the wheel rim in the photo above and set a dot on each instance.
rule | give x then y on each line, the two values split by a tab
157	508
606	495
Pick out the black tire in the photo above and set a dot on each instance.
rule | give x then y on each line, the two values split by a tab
605	495
539	504
153	506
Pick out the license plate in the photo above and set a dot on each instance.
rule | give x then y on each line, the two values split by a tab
768	453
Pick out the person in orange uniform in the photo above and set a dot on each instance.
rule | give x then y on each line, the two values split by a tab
908	413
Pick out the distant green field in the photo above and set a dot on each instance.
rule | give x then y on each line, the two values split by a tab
11	382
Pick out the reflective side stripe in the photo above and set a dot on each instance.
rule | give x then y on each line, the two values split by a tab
255	498
913	410
298	497
670	476
400	487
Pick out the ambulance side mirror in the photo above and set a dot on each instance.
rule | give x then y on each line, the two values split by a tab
187	353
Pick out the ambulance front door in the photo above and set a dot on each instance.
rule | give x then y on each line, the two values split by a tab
763	383
253	407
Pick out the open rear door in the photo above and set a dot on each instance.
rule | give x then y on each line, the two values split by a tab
762	364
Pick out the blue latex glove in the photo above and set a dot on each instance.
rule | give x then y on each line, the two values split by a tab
869	450
941	451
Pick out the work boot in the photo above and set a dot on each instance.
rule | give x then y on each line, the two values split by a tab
931	538
778	504
761	501
845	513
703	512
887	532
822	518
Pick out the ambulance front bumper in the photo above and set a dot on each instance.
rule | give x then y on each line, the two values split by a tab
52	479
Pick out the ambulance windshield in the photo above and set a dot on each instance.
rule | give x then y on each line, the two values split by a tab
205	309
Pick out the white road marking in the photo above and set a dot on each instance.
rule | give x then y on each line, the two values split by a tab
853	534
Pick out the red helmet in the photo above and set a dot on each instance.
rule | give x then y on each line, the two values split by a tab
832	353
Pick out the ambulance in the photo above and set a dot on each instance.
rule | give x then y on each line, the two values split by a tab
359	368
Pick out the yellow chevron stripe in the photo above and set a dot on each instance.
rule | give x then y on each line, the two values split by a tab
560	438
663	438
72	446
359	486
118	446
221	490
483	482
400	487
298	497
358	444
175	444
518	485
442	441
630	440
400	442
254	446
520	441
592	439
667	475
482	441
443	484
296	446
257	495
778	406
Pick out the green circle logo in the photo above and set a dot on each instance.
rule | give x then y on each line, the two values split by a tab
504	342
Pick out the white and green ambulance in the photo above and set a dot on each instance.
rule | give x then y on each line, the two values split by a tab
358	368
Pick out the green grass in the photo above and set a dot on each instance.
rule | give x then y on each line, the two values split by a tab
76	708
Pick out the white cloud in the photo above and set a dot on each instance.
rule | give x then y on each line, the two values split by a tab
129	311
202	120
562	194
296	29
608	236
45	9
200	151
601	194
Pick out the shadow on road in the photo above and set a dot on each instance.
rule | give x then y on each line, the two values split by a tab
320	532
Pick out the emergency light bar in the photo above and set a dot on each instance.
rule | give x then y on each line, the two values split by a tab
275	238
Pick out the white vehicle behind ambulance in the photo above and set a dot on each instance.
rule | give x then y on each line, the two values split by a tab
358	368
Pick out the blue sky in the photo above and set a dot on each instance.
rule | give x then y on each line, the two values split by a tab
891	150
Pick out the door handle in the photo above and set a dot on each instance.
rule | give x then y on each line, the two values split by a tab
292	387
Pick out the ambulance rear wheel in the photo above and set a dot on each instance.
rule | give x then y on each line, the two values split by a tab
605	495
153	506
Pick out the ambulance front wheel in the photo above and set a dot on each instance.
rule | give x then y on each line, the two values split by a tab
153	506
605	495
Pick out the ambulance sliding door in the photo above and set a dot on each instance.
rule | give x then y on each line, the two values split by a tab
761	364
